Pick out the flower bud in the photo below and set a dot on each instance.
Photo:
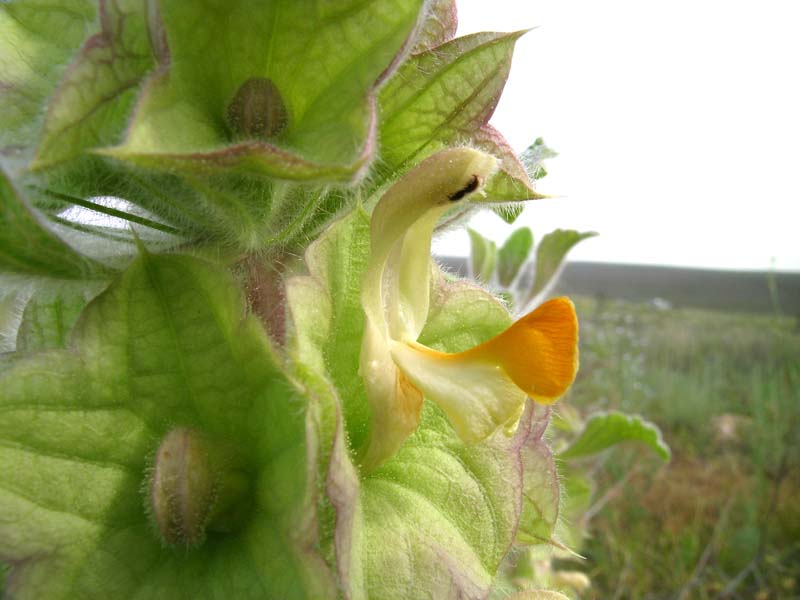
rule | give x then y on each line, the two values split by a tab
257	110
191	486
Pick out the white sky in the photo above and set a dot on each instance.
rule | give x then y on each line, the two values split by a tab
677	125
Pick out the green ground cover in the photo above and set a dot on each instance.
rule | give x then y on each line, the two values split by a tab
722	519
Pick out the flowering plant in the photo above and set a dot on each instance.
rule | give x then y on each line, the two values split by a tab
231	368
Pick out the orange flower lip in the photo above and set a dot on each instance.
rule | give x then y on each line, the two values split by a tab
484	387
539	352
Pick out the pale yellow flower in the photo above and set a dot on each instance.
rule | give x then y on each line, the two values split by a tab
481	389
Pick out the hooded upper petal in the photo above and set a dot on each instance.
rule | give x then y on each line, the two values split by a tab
396	286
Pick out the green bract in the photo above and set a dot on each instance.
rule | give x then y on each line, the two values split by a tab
186	115
186	195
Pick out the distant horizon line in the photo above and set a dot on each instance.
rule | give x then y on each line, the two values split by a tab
627	263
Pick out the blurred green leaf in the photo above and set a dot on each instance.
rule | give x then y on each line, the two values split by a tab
577	488
608	429
513	254
538	595
37	39
534	156
4	568
13	296
91	104
506	296
508	212
551	253
483	256
439	26
27	246
462	315
49	316
163	345
331	294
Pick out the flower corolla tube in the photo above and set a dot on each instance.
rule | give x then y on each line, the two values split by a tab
481	389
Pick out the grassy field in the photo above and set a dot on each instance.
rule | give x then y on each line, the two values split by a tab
722	519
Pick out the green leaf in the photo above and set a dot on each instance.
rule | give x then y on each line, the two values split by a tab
511	182
327	317
538	595
438	27
576	500
4	569
438	517
513	254
28	247
534	156
508	212
443	95
13	297
541	491
49	316
550	254
282	88
37	39
483	256
91	103
462	315
166	346
514	180
608	429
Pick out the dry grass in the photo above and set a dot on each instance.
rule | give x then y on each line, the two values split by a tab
722	520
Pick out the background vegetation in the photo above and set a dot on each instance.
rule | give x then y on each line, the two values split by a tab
722	519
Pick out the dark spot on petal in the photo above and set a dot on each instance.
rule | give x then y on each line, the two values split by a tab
471	186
